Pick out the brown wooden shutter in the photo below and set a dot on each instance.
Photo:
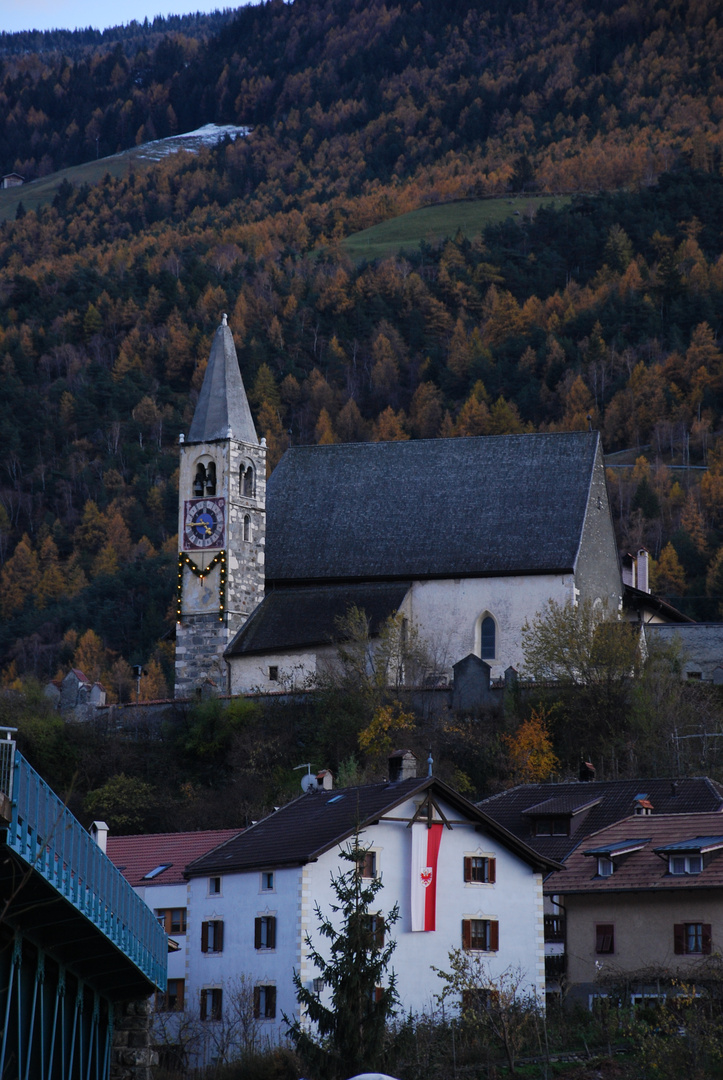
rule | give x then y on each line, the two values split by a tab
378	994
707	939
467	868
271	932
180	989
216	1004
257	933
492	871
271	1002
379	931
204	938
679	939
257	1000
494	936
466	933
218	937
204	1001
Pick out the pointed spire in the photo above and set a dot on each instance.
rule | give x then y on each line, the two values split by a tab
223	410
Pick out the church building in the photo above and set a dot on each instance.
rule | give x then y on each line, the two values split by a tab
464	539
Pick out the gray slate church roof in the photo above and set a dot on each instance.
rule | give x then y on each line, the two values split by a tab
223	408
509	504
297	618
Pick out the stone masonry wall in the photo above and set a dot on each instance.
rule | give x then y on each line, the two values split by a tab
132	1056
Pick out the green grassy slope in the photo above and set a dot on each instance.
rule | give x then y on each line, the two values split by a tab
436	223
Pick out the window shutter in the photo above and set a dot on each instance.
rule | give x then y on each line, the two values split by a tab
492	871
257	933
494	936
379	930
216	1004
378	994
679	939
466	933
271	932
271	1002
218	937
204	1002
204	939
257	1000
707	939
467	868
180	987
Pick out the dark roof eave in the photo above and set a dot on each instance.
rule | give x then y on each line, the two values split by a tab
294	583
633	597
621	889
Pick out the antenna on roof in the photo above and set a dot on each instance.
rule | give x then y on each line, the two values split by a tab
308	780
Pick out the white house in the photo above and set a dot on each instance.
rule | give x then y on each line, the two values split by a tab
464	539
459	878
153	864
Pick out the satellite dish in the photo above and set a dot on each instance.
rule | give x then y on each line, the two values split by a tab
307	781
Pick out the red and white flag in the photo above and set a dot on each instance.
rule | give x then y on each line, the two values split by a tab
425	849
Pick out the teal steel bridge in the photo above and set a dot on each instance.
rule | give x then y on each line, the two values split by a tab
75	939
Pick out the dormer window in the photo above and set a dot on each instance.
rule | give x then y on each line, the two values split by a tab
552	826
605	866
685	864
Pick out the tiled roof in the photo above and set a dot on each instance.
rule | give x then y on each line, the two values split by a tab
570	802
136	856
308	826
308	616
223	407
642	868
615	801
508	504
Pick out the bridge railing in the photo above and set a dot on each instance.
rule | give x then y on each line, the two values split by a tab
48	838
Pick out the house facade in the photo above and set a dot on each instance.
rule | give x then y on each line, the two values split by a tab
153	864
644	906
462	540
557	819
458	879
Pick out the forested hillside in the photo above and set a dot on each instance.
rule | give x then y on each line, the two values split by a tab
609	308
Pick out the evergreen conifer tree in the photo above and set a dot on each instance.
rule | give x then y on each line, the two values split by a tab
341	1031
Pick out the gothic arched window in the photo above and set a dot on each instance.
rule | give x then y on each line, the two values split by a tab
247	527
247	482
488	633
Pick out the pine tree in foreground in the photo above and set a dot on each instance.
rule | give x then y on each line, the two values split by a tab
343	1025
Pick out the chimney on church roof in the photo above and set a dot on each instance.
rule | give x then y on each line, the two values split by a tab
223	409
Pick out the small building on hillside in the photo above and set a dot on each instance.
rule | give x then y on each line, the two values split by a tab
459	879
643	901
699	647
12	179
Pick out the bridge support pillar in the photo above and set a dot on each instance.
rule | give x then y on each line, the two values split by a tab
133	1056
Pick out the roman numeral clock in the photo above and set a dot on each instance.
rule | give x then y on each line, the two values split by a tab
203	524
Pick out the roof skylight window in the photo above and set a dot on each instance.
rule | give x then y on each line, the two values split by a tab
156	871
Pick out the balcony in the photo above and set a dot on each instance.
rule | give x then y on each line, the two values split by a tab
52	848
554	928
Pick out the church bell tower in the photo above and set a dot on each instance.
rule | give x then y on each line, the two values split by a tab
221	522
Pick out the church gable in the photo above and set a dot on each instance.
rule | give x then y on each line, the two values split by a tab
505	505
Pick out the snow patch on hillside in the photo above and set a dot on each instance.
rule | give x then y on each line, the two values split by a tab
193	141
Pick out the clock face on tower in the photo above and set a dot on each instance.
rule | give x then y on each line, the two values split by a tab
203	524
